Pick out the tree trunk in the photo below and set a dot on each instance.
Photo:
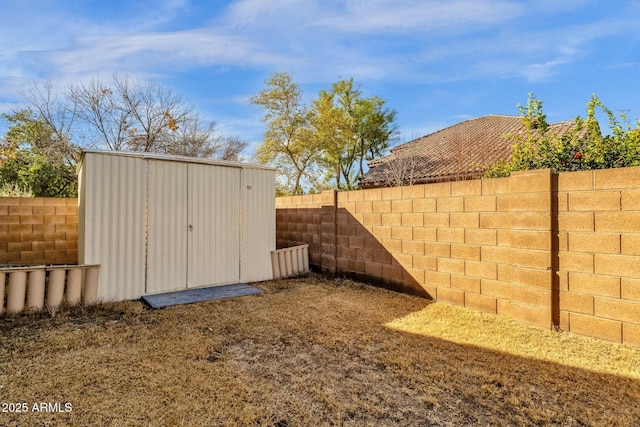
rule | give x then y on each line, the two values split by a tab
296	189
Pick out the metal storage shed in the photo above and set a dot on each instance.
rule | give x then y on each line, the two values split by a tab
160	223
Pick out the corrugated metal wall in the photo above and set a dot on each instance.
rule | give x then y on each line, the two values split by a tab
259	218
156	224
167	226
111	223
214	220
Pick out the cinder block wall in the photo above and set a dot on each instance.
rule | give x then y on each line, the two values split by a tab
38	231
599	253
299	220
545	249
484	244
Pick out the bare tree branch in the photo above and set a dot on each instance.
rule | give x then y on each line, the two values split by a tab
132	115
59	115
401	167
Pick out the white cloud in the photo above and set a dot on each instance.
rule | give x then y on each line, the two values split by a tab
622	65
541	72
317	40
157	51
274	14
6	107
421	17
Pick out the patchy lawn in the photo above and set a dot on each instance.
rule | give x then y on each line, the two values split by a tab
309	352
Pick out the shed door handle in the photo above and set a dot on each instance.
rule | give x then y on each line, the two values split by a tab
190	227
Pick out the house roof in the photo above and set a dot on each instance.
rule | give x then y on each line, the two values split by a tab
456	152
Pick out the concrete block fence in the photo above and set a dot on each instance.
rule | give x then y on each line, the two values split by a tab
39	253
38	230
553	250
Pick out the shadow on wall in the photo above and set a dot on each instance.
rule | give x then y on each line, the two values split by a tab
339	245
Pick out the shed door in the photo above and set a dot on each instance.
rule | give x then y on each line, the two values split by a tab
214	225
193	226
166	226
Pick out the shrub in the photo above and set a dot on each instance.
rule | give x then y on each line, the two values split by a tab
33	173
583	147
13	190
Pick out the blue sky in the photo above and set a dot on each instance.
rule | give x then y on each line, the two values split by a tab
435	62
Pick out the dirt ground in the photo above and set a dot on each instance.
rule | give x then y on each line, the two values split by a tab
307	351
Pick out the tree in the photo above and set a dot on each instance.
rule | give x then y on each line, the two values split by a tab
401	167
129	114
331	128
584	147
230	149
40	151
352	129
324	145
53	116
288	141
34	161
144	116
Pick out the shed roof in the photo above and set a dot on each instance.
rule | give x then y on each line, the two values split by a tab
456	152
185	159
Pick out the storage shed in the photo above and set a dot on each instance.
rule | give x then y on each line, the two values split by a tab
159	223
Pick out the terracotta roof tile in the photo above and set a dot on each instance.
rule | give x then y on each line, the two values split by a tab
454	153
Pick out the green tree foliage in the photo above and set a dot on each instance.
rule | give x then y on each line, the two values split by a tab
353	129
288	142
326	144
34	161
584	147
332	129
34	174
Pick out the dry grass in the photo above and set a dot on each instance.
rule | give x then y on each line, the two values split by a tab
310	352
